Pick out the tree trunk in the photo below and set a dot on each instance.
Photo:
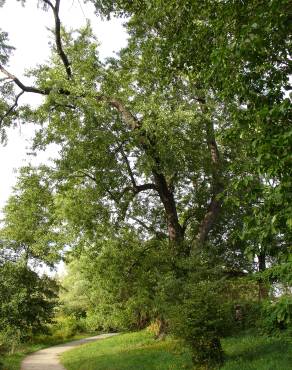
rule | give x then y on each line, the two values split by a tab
263	286
175	231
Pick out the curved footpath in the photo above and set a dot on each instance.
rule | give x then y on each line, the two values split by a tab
48	358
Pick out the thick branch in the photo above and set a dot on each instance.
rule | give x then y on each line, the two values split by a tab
137	189
127	116
210	218
144	187
59	45
215	204
160	184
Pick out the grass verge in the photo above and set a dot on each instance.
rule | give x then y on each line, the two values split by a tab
13	361
139	350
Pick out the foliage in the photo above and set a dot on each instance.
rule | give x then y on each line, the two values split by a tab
66	327
9	339
207	43
277	316
116	283
29	229
201	313
27	301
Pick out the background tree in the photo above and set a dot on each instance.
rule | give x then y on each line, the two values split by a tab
27	300
29	228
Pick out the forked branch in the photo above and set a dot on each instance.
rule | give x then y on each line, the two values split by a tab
135	187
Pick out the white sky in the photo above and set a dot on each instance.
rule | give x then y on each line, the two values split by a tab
27	28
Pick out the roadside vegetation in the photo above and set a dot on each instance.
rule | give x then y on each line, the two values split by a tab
12	360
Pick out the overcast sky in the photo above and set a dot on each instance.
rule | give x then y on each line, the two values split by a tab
27	28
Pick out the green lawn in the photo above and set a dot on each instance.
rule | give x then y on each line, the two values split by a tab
130	351
251	352
135	351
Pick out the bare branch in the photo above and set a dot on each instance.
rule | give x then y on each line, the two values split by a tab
125	158
48	2
89	175
21	85
4	79
136	188
151	229
11	109
142	223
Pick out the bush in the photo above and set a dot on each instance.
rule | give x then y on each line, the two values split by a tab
250	316
200	319
277	315
68	326
9	339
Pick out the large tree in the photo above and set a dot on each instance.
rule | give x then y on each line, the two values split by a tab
180	136
130	130
237	52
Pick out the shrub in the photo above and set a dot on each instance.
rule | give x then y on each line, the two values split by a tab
277	315
200	319
9	339
68	326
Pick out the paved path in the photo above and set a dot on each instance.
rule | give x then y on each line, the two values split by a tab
48	358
